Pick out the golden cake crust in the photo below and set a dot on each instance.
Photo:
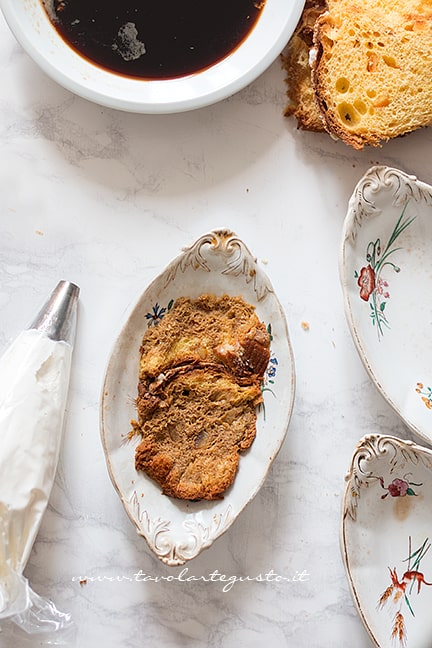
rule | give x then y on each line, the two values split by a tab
365	77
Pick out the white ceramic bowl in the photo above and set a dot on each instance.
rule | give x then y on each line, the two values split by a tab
32	28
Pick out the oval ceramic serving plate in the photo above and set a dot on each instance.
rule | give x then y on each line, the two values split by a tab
385	269
386	540
176	530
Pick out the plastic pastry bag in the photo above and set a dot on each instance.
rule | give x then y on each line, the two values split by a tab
34	382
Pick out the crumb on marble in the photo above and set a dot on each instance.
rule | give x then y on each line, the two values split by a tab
264	261
305	326
83	582
39	232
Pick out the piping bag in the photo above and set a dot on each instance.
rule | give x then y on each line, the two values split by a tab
34	382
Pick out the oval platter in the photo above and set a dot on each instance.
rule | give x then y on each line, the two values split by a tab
386	540
176	530
385	270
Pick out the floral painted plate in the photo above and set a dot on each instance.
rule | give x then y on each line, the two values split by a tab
177	530
386	540
385	269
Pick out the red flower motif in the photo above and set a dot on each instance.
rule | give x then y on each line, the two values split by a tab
398	488
366	281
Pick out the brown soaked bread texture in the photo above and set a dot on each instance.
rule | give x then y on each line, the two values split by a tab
371	76
295	60
200	383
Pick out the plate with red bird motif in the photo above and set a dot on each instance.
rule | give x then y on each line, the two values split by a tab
386	540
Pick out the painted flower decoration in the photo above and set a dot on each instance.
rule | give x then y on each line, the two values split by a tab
272	365
398	488
425	393
272	368
373	286
381	288
366	281
157	313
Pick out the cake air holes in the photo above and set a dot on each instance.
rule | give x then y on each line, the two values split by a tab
342	85
372	62
348	114
390	61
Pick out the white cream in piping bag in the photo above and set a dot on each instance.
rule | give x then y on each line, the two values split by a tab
34	381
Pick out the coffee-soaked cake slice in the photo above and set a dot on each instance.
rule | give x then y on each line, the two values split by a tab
193	431
208	329
200	383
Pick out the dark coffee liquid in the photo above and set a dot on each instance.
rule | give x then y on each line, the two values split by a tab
154	39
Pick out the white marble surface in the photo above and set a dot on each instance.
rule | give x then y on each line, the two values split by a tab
106	199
